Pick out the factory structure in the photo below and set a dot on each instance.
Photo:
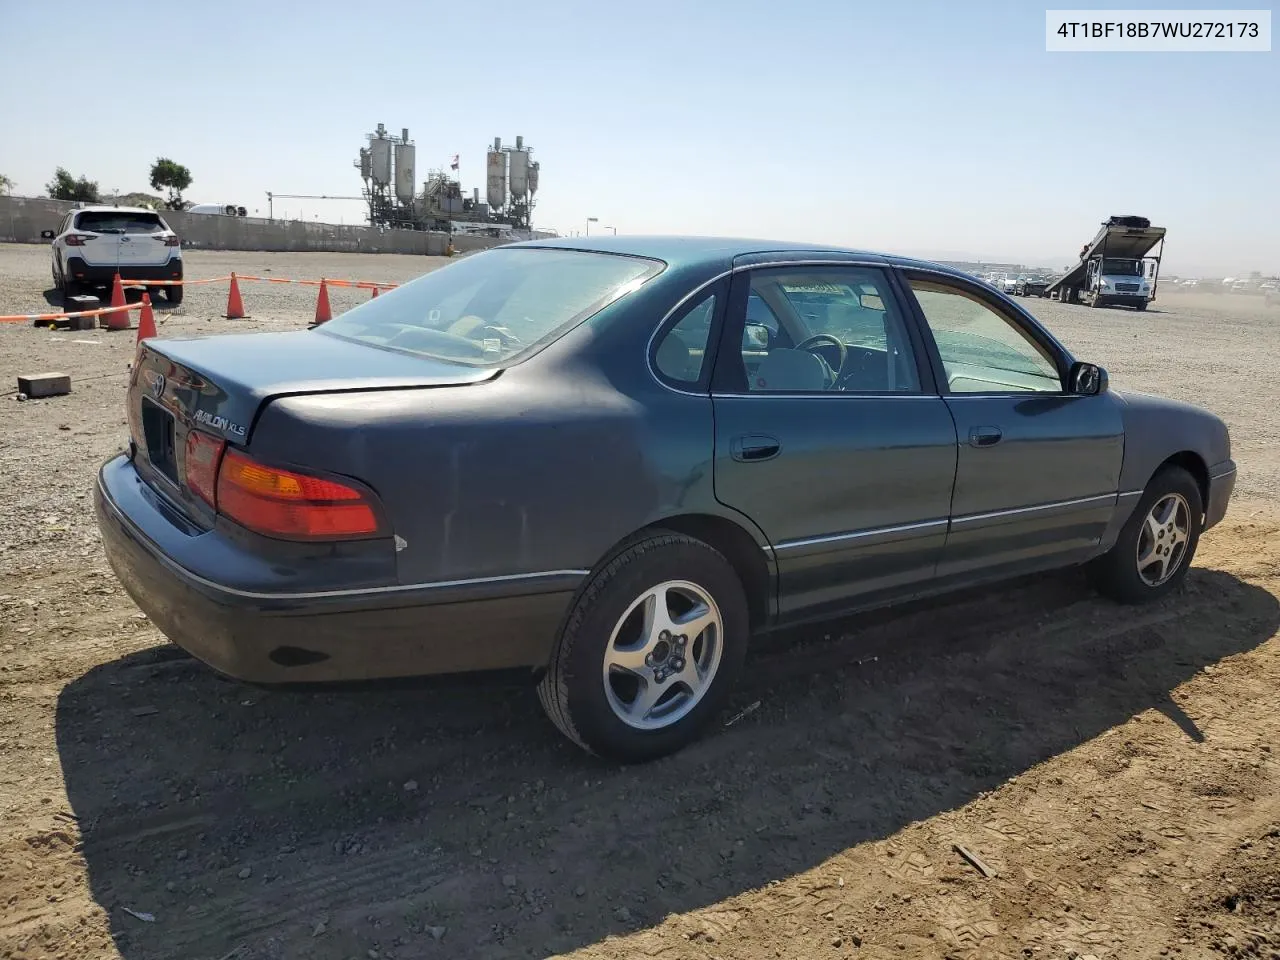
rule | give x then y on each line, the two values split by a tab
391	188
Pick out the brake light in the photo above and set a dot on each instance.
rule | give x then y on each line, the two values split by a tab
201	465
171	241
290	505
76	239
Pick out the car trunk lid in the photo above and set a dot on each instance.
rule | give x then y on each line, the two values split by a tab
219	384
121	238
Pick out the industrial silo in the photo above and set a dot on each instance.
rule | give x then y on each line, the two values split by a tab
496	176
380	156
406	180
519	173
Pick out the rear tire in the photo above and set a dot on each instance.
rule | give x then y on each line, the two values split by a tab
1155	548
173	294
621	687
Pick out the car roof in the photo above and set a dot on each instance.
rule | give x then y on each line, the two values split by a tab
108	208
691	250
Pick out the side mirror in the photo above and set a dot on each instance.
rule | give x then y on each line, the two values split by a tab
47	234
1087	379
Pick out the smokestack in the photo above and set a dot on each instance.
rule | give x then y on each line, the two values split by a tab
519	143
404	134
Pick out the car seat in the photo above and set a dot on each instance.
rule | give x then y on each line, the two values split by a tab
786	369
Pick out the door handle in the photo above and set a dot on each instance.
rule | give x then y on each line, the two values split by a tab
752	448
984	436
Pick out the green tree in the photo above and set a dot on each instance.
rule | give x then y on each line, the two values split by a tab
65	187
166	174
6	185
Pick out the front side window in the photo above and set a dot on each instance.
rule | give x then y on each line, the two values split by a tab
496	306
825	330
982	351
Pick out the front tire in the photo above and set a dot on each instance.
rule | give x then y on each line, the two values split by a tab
649	651
1157	543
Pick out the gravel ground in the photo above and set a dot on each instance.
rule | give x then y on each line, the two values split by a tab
1115	769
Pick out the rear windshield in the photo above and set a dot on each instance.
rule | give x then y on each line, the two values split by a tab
493	307
109	221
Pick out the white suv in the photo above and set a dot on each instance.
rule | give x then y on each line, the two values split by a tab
93	243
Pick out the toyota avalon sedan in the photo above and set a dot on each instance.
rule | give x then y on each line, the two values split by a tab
614	461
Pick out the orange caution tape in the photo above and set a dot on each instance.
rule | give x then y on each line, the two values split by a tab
360	284
172	283
23	317
357	284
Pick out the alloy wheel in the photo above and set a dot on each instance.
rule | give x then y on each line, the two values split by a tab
1162	542
663	655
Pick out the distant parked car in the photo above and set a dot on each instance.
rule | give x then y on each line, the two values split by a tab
94	243
612	461
1031	286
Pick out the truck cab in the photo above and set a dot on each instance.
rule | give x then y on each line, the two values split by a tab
1116	281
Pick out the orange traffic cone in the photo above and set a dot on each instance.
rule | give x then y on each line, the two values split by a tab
117	319
374	294
235	307
146	320
323	313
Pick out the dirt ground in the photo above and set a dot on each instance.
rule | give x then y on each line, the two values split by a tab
1115	771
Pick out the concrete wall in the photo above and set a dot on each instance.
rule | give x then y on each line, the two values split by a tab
22	219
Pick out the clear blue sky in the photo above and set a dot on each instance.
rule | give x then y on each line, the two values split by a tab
933	128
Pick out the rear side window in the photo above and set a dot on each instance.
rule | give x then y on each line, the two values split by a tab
682	352
495	306
111	221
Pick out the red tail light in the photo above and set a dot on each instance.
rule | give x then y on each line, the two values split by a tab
293	506
201	465
172	241
76	239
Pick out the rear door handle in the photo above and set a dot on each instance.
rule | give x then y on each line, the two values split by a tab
984	436
754	447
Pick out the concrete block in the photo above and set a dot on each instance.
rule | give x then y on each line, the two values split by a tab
81	302
75	305
44	385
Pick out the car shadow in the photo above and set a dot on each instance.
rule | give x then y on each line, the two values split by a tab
335	822
53	297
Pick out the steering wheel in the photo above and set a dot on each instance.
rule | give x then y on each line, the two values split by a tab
817	338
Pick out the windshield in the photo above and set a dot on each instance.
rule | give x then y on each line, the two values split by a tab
1121	268
110	221
490	307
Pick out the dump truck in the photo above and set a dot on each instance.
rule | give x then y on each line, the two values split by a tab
1116	268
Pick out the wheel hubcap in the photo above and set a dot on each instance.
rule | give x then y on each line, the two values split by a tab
1162	544
663	655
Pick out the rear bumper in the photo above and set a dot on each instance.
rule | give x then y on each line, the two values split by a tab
330	635
81	272
1222	483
